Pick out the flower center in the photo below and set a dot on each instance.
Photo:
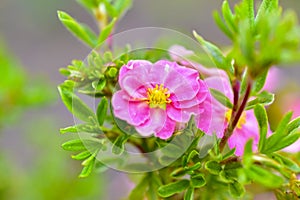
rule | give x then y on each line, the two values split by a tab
158	96
241	121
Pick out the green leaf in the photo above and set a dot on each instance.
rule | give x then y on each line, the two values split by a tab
265	98
229	154
173	188
281	137
81	31
119	144
264	177
122	5
171	150
178	173
88	4
215	54
87	128
220	23
213	167
74	104
102	110
266	7
260	81
228	16
106	31
249	11
189	194
247	158
198	181
288	163
193	167
282	143
262	120
293	125
81	144
140	189
87	169
82	155
236	189
192	154
74	145
221	98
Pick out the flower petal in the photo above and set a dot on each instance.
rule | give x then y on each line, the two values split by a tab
167	130
156	121
134	113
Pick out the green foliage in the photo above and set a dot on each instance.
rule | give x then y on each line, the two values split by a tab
285	135
260	39
79	30
215	54
173	188
18	90
221	98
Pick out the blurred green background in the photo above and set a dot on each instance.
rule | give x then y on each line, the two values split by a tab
33	46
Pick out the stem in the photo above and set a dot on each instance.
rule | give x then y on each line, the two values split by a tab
236	117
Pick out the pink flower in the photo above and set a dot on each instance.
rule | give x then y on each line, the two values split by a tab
247	126
155	97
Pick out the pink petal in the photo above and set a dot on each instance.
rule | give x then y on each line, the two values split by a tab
131	65
134	113
167	130
156	121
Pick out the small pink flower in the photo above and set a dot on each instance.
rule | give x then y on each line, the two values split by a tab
247	126
155	97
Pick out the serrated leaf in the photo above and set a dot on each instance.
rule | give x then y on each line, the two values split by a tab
173	188
198	181
79	30
262	120
213	167
236	189
74	104
224	100
189	194
265	98
102	110
215	54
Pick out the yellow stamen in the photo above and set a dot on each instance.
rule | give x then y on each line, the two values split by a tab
241	121
158	96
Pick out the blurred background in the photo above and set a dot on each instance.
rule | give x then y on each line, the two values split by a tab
33	46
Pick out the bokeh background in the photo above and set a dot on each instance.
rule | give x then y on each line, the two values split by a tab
32	164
